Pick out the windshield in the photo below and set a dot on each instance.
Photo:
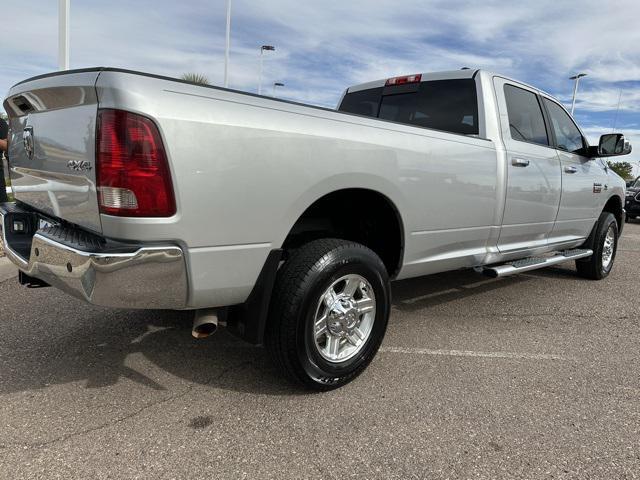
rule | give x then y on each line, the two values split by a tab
635	184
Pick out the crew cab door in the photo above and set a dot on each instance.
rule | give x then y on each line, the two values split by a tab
584	180
533	180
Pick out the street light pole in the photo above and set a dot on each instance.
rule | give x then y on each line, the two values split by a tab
615	120
227	47
63	34
263	48
576	78
276	84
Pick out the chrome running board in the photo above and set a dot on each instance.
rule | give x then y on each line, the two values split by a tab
533	263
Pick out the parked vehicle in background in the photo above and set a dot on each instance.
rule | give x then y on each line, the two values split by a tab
632	200
288	221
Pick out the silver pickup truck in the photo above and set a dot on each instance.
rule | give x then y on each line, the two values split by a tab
286	222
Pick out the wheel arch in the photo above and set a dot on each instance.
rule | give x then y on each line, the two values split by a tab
248	320
614	206
380	227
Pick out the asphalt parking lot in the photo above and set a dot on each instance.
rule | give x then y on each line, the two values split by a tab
532	376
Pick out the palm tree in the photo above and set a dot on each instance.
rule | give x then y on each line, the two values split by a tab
195	78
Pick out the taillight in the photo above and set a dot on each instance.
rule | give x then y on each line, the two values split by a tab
132	170
404	80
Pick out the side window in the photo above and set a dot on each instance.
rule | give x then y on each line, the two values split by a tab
568	137
526	121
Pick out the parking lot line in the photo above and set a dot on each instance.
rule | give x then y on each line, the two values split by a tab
431	295
471	353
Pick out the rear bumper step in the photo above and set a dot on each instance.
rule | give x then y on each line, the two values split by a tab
94	269
533	263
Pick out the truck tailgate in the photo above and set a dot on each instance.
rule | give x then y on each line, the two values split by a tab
52	121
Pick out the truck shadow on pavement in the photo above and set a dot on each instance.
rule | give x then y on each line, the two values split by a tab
58	340
423	293
100	348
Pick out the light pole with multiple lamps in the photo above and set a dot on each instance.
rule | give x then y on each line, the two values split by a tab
576	78
276	84
263	48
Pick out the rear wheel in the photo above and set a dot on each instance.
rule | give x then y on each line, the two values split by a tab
329	313
605	245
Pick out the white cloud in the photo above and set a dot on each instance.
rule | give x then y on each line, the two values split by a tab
606	99
324	46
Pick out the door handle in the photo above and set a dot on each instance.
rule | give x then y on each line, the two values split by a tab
519	162
570	169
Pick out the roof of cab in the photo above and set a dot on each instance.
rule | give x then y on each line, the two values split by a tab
446	75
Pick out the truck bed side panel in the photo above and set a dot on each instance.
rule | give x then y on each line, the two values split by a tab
245	168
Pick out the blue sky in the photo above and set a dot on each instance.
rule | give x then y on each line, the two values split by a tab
322	47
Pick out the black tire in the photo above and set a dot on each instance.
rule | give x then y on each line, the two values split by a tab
301	282
593	267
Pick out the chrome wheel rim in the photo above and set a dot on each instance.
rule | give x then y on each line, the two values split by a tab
608	248
344	318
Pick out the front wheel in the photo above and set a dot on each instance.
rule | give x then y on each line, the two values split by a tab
329	313
605	245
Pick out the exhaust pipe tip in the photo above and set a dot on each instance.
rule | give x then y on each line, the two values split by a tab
203	331
205	323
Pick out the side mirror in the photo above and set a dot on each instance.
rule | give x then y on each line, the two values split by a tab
613	144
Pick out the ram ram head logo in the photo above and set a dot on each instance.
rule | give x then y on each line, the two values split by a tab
27	141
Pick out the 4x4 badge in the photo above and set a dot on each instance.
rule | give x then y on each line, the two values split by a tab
79	165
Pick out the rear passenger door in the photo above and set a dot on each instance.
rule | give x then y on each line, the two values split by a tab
533	183
583	179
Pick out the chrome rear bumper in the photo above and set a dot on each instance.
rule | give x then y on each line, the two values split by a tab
104	273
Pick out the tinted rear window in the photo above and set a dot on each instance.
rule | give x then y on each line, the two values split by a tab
448	105
364	102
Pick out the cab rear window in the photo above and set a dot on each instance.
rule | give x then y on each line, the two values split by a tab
447	105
